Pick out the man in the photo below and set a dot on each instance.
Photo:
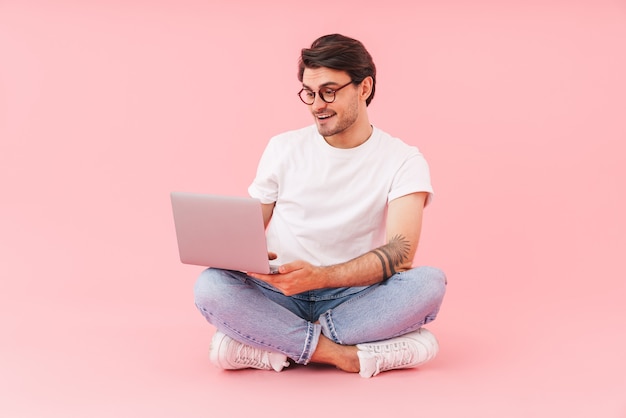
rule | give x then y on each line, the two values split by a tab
342	203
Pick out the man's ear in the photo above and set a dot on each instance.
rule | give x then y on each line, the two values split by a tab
366	87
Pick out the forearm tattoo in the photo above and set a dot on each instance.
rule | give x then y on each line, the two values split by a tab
393	254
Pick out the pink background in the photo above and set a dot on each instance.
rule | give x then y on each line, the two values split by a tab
107	106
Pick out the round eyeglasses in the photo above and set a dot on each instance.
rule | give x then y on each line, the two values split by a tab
327	94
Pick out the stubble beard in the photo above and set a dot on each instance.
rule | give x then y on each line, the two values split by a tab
349	119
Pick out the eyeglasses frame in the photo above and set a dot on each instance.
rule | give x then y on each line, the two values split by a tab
321	96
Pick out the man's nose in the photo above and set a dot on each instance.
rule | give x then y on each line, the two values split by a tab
318	103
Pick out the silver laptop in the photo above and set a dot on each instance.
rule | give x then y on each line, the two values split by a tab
221	231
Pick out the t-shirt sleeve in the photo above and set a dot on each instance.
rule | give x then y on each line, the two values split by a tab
265	184
412	176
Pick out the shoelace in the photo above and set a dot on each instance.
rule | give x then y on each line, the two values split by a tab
392	356
252	357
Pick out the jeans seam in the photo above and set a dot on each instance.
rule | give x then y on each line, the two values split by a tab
330	326
307	350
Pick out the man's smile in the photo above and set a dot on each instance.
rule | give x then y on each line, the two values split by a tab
324	116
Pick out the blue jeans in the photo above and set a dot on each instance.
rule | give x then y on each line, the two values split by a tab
257	314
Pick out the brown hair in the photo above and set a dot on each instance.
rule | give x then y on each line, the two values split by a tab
339	52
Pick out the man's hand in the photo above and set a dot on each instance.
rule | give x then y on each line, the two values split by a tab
293	278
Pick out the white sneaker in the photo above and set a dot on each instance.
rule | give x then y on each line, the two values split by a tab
230	354
402	352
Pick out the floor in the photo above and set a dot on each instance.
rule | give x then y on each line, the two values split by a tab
130	364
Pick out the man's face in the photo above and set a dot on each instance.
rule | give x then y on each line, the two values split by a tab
336	117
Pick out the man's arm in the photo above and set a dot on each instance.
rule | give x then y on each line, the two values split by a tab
268	210
404	224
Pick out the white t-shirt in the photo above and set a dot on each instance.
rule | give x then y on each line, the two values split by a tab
331	202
